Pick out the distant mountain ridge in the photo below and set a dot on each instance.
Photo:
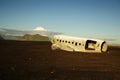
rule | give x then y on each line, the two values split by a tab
35	37
9	37
29	35
26	37
1	38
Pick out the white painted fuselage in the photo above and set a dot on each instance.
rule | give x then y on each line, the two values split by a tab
78	44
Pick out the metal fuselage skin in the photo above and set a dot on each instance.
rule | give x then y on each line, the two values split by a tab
78	44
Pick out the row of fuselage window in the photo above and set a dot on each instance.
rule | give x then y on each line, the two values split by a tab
65	41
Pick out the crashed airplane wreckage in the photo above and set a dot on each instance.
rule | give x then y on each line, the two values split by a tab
77	44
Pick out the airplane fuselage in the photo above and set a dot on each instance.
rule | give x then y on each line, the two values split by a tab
78	44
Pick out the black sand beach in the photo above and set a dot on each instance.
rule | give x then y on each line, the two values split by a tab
27	60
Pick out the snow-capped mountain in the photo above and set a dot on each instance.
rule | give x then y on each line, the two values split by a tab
17	34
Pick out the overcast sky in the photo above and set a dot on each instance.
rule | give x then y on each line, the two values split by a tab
86	18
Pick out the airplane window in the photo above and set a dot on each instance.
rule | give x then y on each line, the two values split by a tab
79	43
69	42
60	40
63	40
66	41
72	42
76	43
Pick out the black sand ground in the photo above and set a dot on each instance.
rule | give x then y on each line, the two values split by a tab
21	60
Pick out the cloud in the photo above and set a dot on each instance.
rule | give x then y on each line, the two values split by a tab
40	28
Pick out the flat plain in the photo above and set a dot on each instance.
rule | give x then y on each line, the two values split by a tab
34	60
